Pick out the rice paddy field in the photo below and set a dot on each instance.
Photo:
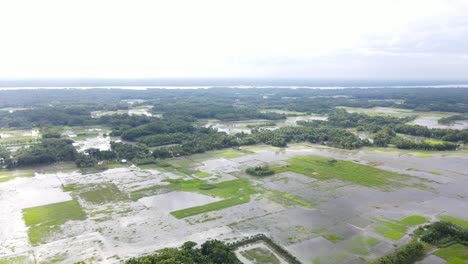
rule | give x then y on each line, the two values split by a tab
323	205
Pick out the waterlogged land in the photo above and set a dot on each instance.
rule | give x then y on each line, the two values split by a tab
324	205
115	177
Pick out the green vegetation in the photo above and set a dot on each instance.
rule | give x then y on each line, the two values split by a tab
230	154
391	229
288	199
413	220
103	193
45	220
234	192
260	256
325	168
454	253
210	207
210	252
333	237
397	229
260	171
454	220
18	260
361	244
407	254
11	174
202	174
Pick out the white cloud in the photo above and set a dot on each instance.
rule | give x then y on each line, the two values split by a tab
220	38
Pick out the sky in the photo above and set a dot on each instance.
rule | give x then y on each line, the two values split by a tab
359	39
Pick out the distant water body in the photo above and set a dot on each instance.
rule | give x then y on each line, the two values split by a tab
238	86
143	84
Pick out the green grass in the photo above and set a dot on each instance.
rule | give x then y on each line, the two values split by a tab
210	207
260	256
395	230
45	220
289	199
229	154
413	220
391	229
361	244
434	141
6	175
202	174
454	220
333	237
18	260
115	165
456	261
457	252
234	192
326	168
103	193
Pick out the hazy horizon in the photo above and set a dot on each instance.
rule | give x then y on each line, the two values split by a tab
362	39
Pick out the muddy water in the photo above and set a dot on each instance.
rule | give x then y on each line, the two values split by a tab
432	122
174	201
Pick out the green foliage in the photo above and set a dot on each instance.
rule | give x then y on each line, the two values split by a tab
260	171
211	252
48	151
407	254
440	233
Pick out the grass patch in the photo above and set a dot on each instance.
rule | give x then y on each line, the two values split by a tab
333	237
361	244
17	260
103	193
393	230
229	154
433	141
289	199
234	192
260	256
7	175
454	220
210	207
326	168
202	174
456	253
115	165
45	220
413	220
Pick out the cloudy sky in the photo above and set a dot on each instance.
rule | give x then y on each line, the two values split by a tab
371	39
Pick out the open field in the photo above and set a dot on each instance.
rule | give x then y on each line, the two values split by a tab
323	205
46	219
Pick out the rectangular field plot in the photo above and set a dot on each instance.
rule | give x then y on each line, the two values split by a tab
43	221
326	168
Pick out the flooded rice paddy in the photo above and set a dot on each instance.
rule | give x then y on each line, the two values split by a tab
120	213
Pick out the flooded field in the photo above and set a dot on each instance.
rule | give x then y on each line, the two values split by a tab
144	110
88	137
321	214
428	119
234	127
14	139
